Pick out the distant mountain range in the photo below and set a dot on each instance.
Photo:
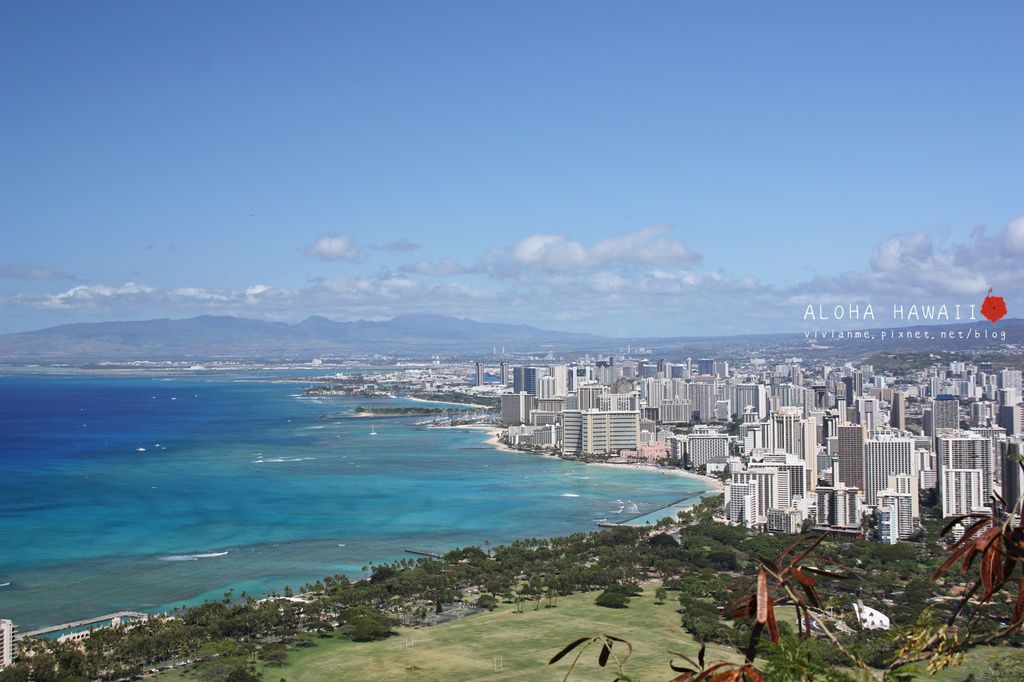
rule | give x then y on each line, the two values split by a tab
209	336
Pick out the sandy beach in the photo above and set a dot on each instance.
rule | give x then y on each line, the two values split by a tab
493	433
713	482
444	402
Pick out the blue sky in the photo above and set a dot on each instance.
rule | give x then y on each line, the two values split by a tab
620	168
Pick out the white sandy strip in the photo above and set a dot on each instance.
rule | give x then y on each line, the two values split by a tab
493	433
446	402
708	480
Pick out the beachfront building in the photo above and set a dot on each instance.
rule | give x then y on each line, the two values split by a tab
705	446
516	408
6	643
596	432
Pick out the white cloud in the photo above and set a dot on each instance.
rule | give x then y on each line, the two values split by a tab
334	247
1015	235
633	283
441	268
556	253
91	295
201	294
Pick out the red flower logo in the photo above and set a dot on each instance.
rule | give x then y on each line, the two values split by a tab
993	307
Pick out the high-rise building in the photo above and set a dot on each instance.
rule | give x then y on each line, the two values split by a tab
504	374
903	484
868	413
741	503
898	411
479	374
594	432
6	643
850	455
588	396
702	448
706	367
524	379
792	466
791	433
883	457
887	522
1011	418
945	413
516	408
547	388
839	506
903	523
957	455
1013	475
1011	378
560	374
750	395
772	489
961	491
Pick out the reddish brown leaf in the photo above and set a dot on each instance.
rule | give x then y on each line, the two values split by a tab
986	572
803	578
827	574
1018	610
753	675
957	551
773	628
762	596
960	519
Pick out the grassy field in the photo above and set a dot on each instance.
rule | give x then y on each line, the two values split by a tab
465	649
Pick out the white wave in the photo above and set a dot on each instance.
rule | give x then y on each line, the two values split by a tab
278	460
192	557
569	495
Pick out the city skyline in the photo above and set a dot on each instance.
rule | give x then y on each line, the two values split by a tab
675	171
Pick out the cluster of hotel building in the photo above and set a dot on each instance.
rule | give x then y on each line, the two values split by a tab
827	447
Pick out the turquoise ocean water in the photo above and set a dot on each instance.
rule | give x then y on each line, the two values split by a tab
241	483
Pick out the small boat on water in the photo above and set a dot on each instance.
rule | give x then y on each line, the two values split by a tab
373	431
140	449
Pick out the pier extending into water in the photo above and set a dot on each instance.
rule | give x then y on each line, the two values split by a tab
652	517
422	552
114	618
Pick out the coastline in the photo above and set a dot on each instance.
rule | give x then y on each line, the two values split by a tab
712	482
444	402
494	432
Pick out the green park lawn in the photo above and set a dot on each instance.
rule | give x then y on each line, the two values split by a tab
465	649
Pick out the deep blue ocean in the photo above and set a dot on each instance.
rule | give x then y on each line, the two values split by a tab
144	493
